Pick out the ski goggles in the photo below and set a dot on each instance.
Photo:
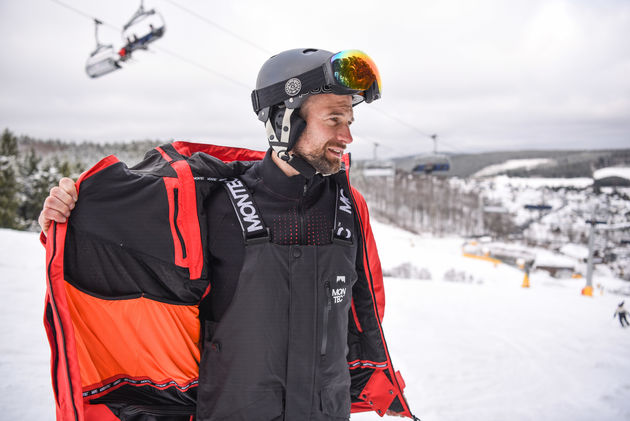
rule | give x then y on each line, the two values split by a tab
353	69
349	72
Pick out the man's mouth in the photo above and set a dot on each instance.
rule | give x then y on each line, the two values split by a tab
337	151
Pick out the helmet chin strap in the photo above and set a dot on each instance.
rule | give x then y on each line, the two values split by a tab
302	166
281	146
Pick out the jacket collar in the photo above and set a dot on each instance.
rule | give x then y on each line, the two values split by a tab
277	181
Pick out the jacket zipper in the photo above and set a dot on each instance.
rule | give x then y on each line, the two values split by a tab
180	237
325	324
56	313
301	239
368	274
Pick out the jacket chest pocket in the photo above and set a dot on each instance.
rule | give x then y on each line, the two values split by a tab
334	321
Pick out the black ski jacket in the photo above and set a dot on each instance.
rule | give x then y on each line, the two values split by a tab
127	274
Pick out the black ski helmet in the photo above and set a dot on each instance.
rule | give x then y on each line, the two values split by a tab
283	84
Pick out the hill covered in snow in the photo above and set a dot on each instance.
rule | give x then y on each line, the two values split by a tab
549	164
471	343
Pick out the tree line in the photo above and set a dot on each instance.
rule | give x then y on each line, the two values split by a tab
29	168
25	180
426	204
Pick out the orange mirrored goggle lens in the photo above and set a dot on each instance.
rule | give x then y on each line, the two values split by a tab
355	70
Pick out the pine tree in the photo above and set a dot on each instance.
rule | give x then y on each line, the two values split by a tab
65	169
8	181
40	184
9	144
31	199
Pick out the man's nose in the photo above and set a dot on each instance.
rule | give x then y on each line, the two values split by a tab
344	135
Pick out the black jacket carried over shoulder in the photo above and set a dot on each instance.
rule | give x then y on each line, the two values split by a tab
126	277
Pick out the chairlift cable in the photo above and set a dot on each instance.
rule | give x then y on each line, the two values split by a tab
166	51
216	73
67	6
434	137
382	144
262	49
219	27
401	121
416	129
404	152
202	67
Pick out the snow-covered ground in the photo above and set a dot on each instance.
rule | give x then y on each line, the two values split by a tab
572	202
512	164
540	182
620	172
25	391
470	342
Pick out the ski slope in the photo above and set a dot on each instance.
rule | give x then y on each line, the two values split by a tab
471	345
512	164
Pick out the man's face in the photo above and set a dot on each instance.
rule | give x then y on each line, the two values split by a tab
323	142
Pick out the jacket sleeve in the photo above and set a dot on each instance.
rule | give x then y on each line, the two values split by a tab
372	262
123	282
124	277
375	385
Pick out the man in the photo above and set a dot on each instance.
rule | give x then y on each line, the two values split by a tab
621	312
291	322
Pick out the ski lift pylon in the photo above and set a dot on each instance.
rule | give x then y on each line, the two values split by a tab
143	28
426	163
103	59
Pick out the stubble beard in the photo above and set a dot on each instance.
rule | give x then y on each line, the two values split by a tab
319	160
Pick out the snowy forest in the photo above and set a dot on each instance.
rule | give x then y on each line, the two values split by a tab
504	197
29	168
522	212
426	204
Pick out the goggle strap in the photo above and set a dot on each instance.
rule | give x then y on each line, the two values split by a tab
275	94
372	93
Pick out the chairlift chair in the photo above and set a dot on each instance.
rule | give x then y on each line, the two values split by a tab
379	168
144	27
104	59
430	163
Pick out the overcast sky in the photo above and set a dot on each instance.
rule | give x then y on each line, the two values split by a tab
483	75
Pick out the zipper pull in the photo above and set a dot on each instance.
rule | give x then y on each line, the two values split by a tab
328	295
325	322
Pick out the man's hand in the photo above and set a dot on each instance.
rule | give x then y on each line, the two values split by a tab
396	414
58	204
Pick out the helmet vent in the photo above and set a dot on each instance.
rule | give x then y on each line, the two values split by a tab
310	51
